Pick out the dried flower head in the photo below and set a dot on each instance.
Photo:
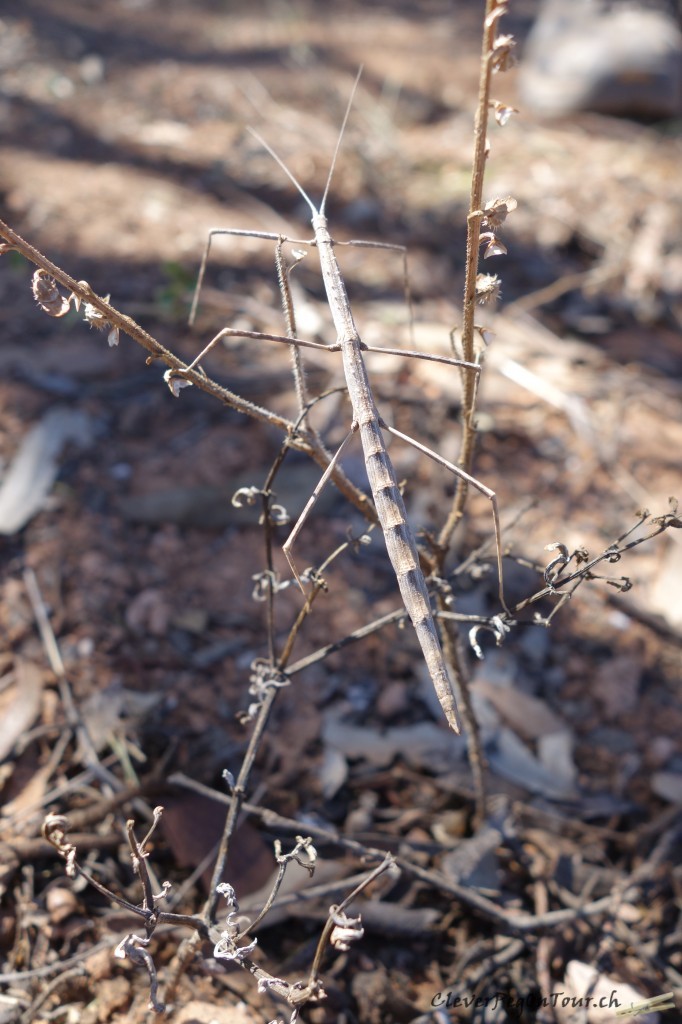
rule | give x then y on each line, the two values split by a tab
503	113
496	212
99	321
47	295
493	246
176	383
488	289
503	54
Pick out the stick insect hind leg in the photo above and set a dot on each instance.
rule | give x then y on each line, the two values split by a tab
477	484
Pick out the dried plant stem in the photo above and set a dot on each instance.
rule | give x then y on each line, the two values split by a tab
471	271
283	272
386	863
511	921
452	648
31	1013
451	645
238	795
73	716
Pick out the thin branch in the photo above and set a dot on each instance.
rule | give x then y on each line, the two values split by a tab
301	441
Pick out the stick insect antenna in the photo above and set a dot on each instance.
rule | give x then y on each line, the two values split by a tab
340	139
290	176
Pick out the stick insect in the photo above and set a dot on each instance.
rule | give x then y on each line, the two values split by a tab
368	423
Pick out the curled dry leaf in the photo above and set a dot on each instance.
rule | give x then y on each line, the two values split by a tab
245	496
279	515
265	584
346	930
47	295
227	949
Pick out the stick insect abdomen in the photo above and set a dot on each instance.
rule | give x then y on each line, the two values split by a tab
404	558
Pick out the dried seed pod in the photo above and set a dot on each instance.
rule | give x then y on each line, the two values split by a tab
493	246
502	54
176	383
47	295
99	321
496	212
503	113
487	288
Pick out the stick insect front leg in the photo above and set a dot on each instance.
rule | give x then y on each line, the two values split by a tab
235	233
475	368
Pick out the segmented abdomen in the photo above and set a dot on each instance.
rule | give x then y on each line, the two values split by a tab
404	557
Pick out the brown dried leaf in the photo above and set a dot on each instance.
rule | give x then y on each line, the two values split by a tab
148	612
20	705
192	825
198	1012
112	994
530	717
616	685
